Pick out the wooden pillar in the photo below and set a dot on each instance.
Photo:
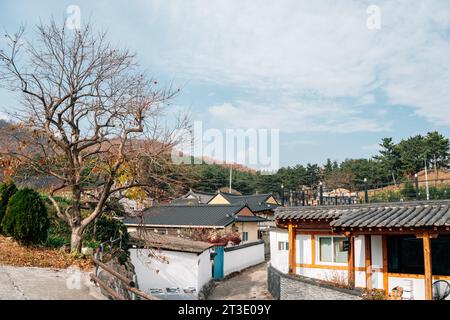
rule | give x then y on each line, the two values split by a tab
351	262
313	249
292	250
385	266
428	266
368	258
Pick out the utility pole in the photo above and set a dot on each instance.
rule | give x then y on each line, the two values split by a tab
426	180
320	193
366	194
416	181
435	171
231	176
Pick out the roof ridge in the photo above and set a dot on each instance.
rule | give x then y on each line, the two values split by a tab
378	204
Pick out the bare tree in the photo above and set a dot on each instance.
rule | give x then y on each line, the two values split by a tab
88	117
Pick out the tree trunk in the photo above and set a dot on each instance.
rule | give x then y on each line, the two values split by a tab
75	240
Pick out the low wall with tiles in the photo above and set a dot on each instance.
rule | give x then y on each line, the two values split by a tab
287	287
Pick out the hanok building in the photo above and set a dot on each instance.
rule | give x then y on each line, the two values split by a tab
261	204
373	246
178	219
193	197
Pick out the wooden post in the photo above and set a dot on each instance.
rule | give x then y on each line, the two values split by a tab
428	266
292	262
385	266
351	262
368	258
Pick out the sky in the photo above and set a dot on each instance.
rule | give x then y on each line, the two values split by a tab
333	80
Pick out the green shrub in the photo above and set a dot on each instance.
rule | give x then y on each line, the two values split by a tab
58	233
26	218
7	190
105	228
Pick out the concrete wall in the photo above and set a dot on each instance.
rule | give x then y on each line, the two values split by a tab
183	271
204	269
241	257
279	259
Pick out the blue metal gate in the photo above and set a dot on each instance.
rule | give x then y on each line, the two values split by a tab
218	263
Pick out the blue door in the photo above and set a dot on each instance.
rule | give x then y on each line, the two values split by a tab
218	263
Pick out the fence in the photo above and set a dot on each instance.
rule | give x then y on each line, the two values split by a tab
406	190
128	284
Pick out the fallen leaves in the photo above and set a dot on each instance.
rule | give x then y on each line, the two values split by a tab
12	253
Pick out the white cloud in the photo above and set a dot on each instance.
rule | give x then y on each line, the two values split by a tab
4	117
317	116
309	50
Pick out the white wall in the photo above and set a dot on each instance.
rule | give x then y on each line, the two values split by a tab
239	259
303	249
360	261
183	270
279	259
204	269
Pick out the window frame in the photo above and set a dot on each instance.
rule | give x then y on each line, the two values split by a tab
318	249
283	246
244	235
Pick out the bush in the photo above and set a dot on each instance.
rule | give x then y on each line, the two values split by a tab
105	228
58	233
26	218
7	190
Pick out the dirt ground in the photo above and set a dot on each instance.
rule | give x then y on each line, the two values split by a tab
29	283
251	284
14	254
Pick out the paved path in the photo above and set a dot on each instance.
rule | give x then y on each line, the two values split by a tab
46	284
251	284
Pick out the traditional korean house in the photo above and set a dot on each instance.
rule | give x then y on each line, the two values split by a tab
193	197
178	219
372	246
261	204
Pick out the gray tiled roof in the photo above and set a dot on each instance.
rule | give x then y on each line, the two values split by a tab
194	197
162	241
314	213
410	214
386	215
256	202
190	215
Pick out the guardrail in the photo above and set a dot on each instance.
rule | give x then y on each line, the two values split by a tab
129	284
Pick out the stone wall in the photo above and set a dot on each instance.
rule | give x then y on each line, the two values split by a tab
289	287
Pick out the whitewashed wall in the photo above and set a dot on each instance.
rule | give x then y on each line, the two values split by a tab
360	261
239	259
204	269
377	261
303	249
279	259
184	270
